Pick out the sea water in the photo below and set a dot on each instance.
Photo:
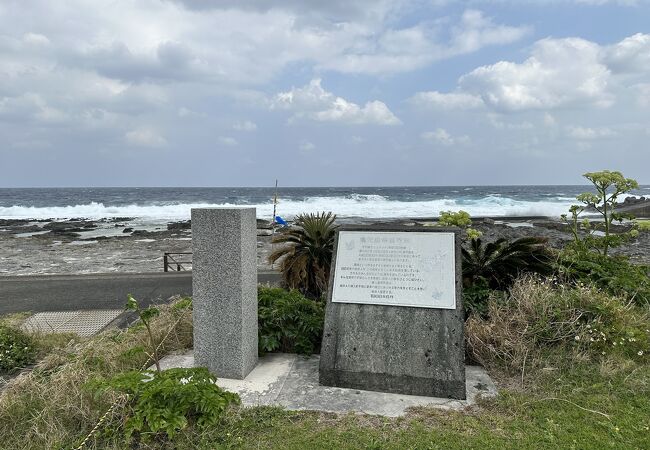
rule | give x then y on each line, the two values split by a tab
164	204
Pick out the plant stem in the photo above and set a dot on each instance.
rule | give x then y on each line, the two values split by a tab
153	345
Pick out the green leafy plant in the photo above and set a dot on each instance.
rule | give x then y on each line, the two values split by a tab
145	316
305	254
460	219
17	349
609	186
288	322
476	296
501	261
615	274
169	401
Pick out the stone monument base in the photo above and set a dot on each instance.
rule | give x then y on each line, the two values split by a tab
360	332
291	381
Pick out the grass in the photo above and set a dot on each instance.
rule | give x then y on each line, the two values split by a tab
51	407
567	399
565	411
586	406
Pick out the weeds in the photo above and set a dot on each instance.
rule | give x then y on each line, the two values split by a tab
50	407
17	349
539	318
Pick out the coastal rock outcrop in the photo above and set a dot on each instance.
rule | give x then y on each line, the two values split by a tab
637	206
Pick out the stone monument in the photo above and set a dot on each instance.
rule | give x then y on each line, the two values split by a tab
394	318
224	284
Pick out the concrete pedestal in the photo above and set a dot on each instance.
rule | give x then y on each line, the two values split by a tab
224	284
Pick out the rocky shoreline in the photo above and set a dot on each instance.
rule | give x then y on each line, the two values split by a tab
123	244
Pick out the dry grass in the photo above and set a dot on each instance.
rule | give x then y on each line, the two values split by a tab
539	320
50	406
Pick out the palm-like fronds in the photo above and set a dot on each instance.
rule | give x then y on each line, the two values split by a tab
306	254
500	262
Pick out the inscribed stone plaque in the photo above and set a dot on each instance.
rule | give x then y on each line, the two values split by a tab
416	269
394	320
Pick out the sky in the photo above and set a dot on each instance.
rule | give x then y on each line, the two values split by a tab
315	93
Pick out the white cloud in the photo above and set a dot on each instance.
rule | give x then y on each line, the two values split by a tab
549	120
306	147
145	137
245	125
406	49
315	103
586	133
631	55
448	101
30	107
187	112
476	31
228	141
442	137
36	39
643	94
560	72
498	122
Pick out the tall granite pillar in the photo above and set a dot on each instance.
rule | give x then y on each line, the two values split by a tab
224	284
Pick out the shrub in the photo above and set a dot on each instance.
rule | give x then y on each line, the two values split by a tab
501	261
476	296
643	225
306	255
17	349
289	322
538	317
460	219
168	401
615	274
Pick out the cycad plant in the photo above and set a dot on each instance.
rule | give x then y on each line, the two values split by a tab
305	254
500	262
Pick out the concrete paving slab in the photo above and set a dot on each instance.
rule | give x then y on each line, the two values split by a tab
83	323
291	381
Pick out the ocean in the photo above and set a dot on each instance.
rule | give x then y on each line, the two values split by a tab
163	204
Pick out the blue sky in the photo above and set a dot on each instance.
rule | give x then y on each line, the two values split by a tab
237	93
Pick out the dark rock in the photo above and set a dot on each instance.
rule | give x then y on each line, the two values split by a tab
185	225
13	222
70	225
144	233
116	219
637	206
127	230
65	234
24	229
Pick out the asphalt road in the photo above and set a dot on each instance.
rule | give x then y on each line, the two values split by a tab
39	293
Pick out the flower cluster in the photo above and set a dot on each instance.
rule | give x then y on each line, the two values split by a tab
607	339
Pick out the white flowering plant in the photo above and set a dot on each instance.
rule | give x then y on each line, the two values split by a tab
607	325
604	336
17	349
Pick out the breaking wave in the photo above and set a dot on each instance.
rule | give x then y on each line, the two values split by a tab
354	205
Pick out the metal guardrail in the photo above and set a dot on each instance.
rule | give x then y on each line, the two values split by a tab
175	261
